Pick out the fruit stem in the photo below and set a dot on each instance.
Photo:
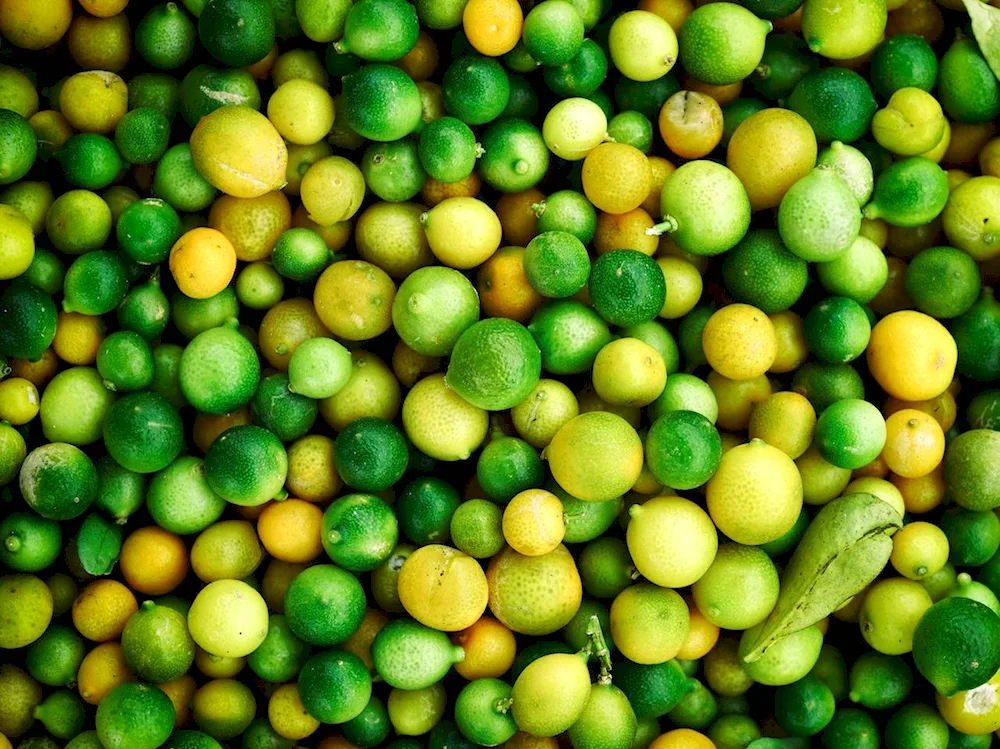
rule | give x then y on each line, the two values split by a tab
667	226
538	209
281	495
109	385
480	151
504	705
871	211
521	166
13	544
598	646
333	536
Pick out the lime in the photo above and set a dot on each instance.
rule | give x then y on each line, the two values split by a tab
540	711
569	211
54	658
911	123
29	543
850	433
415	712
393	171
90	160
859	273
850	165
440	422
308	612
432	308
975	333
653	690
223	708
95	283
553	32
194	316
165	37
683	449
183	740
74	406
722	45
696	709
383	102
704	227
46	270
916	725
982	410
359	532
425	509
733	730
508	466
515	157
964	89
475	89
246	465
370	727
837	330
556	264
973	536
321	21
805	707
494	364
608	720
972	480
523	101
569	335
788	660
736	112
143	432
760	271
237	32
18	146
475	527
58	481
818	218
286	413
27	610
480	715
121	492
258	285
156	643
649	624
319	368
391	236
137	716
156	90
380	30
178	182
837	103
966	588
204	89
219	371
228	618
903	61
785	61
627	287
145	310
408	655
21	695
942	281
737	568
910	193
825	384
62	713
184	478
147	229
880	682
281	655
142	136
693	539
440	14
448	149
580	76
443	588
371	454
125	361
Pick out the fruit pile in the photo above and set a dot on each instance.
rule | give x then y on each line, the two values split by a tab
446	374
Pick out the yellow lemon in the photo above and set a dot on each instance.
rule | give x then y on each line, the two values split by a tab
239	152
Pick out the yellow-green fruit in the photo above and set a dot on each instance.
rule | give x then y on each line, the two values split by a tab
910	124
841	31
17	243
550	694
239	152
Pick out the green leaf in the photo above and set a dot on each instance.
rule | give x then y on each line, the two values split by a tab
986	28
98	543
845	547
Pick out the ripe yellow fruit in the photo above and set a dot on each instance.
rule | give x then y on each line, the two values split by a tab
739	342
912	355
239	152
202	262
442	588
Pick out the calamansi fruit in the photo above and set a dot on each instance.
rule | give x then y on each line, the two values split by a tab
442	587
672	541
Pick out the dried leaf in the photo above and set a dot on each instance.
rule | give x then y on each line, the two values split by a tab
986	28
845	547
98	543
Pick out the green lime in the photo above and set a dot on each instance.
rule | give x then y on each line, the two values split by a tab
964	87
95	283
805	707
983	411
319	368
553	32
837	102
18	146
180	500
579	632
120	491
818	218
204	89
903	61
916	725
58	481
848	163
685	392
972	632
63	714
440	14
393	171
568	211
29	543
223	708
879	681
286	413
972	477
17	91
760	271
532	652
494	364
831	669
973	536
645	97
581	75
408	655
733	731
481	712
307	605
246	465
425	509
705	208
607	721
380	30
943	282
632	128
475	528
444	735
653	690
858	274
826	384
237	32
605	566
977	335
156	644
371	454
837	330
740	588
165	37
145	310
475	89
959	740
735	112
696	708
852	728
142	136
656	335
359	531
448	149
125	361
787	660
722	45
689	335
135	716
143	432
383	579
382	102
785	61
508	466
219	371
910	193
32	199
300	254
850	433
370	727
556	264
258	735
520	60
90	161
74	406
320	20
156	90
627	287
432	308
585	520
78	221
259	286
515	156
147	229
683	449
415	712
179	183
54	658
194	316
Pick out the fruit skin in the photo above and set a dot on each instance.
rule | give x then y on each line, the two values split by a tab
239	152
838	103
135	716
237	32
29	316
520	590
383	103
537	708
973	480
729	37
334	686
928	365
973	655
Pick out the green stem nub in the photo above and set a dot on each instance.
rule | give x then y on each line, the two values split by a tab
667	226
598	646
